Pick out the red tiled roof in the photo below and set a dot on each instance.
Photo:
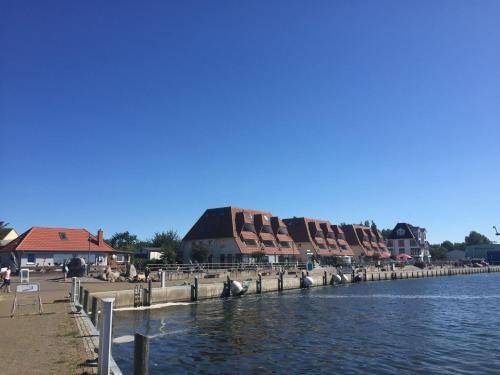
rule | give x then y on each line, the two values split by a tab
49	239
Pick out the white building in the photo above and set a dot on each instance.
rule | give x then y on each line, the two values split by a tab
408	239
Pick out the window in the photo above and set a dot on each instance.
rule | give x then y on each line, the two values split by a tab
330	235
333	247
401	250
343	247
322	246
31	259
268	243
267	229
400	232
283	230
62	236
250	242
401	242
389	243
413	243
341	236
248	227
285	244
319	233
415	252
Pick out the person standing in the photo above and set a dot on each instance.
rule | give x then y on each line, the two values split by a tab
6	279
147	271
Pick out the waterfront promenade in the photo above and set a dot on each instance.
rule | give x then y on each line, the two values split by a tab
41	344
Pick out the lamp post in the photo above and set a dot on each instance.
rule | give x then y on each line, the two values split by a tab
88	256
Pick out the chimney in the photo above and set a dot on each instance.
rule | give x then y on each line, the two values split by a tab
100	237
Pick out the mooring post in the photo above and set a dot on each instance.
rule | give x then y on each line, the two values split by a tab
141	354
95	312
163	282
196	287
150	292
80	296
259	284
302	279
325	278
86	301
105	336
72	292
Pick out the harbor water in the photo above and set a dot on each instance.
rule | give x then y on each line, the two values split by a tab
441	325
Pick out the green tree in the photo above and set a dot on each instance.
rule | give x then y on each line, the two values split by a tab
373	226
438	252
170	245
366	223
475	238
123	241
3	224
448	245
199	253
386	232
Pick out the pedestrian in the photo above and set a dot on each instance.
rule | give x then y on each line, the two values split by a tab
6	279
147	271
65	270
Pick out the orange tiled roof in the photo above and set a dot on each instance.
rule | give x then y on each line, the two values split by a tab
49	239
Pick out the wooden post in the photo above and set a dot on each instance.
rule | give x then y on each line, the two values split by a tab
141	354
259	284
196	287
105	336
325	279
150	292
80	296
86	301
95	311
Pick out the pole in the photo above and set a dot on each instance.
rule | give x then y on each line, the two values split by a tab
141	354
105	336
162	279
95	312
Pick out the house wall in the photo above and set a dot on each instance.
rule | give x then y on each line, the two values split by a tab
47	259
216	247
407	247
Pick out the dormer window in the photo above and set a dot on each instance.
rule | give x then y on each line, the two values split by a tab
247	227
268	243
250	242
330	235
267	229
322	246
282	230
319	233
341	236
333	247
400	232
285	244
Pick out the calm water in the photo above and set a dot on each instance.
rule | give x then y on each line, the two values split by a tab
443	325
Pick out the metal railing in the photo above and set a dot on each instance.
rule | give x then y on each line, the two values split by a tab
206	267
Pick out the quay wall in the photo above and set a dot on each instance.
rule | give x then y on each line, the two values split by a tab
185	293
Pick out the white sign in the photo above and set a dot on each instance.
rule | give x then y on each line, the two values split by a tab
27	288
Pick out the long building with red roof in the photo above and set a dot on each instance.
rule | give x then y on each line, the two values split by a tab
233	235
46	247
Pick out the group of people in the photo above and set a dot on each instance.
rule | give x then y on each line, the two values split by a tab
5	277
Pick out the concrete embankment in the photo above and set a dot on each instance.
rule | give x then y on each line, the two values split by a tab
188	293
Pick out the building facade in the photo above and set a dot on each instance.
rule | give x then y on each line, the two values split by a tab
365	242
411	240
319	239
7	235
41	247
234	235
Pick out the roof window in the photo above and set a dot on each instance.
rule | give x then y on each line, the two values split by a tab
62	236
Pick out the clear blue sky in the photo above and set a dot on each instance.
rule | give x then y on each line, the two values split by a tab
138	117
